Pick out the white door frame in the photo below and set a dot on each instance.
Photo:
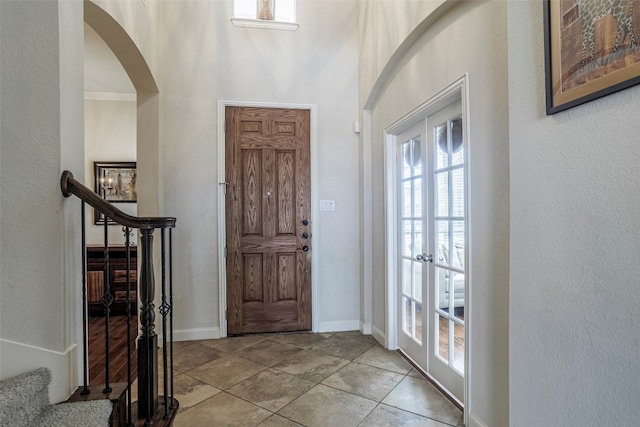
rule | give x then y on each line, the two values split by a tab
222	230
459	88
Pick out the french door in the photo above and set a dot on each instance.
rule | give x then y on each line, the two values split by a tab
431	248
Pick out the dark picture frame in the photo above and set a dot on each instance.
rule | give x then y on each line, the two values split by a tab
116	183
590	52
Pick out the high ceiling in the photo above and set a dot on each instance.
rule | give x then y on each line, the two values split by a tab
103	73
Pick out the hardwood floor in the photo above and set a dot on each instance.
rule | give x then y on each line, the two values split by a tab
117	349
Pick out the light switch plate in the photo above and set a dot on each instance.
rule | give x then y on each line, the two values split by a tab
327	205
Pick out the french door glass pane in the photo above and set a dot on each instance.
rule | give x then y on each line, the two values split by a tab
417	198
442	288
443	337
407	265
457	176
407	235
456	142
416	157
458	348
406	315
406	199
406	160
417	240
442	193
442	148
418	321
458	295
417	282
458	243
442	239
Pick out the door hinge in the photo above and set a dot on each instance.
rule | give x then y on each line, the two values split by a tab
225	251
226	314
226	186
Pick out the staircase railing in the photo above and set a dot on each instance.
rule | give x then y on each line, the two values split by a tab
151	409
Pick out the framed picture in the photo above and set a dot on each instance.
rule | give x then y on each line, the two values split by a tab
591	50
115	182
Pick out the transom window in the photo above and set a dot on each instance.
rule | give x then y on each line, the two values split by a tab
264	11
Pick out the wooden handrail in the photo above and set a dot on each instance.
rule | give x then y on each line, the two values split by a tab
70	185
147	342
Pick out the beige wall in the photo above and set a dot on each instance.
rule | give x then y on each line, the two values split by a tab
209	60
444	52
575	234
384	29
41	134
110	136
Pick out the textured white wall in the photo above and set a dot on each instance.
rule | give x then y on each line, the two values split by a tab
383	27
575	246
443	54
110	136
141	20
209	59
42	133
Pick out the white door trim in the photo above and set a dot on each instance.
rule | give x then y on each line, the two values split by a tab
222	234
459	88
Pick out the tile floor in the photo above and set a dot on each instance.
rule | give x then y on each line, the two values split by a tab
303	379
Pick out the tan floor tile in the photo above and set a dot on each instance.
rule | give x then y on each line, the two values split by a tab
302	340
190	354
342	347
357	335
325	406
416	374
226	371
271	389
384	359
278	421
231	344
421	397
190	391
222	410
365	381
384	416
311	365
268	352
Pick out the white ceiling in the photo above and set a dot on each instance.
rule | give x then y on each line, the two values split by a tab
103	73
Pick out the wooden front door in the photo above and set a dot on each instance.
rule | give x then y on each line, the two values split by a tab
268	207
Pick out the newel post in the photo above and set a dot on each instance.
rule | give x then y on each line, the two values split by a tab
148	340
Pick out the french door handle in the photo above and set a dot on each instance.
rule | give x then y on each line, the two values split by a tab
425	258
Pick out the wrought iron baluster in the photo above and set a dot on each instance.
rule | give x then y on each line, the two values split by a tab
164	310
173	404
127	245
85	342
107	300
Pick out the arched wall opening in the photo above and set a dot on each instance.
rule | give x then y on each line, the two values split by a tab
148	106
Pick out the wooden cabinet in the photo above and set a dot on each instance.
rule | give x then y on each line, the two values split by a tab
117	278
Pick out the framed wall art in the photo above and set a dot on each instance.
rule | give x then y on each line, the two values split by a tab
591	50
115	182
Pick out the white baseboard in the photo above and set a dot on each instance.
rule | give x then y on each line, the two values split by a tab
17	358
378	335
195	334
341	326
474	421
365	328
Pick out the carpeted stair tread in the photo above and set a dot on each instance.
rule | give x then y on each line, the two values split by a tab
23	397
24	402
92	413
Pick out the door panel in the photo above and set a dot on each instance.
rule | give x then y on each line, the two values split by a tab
268	200
431	245
447	232
412	276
